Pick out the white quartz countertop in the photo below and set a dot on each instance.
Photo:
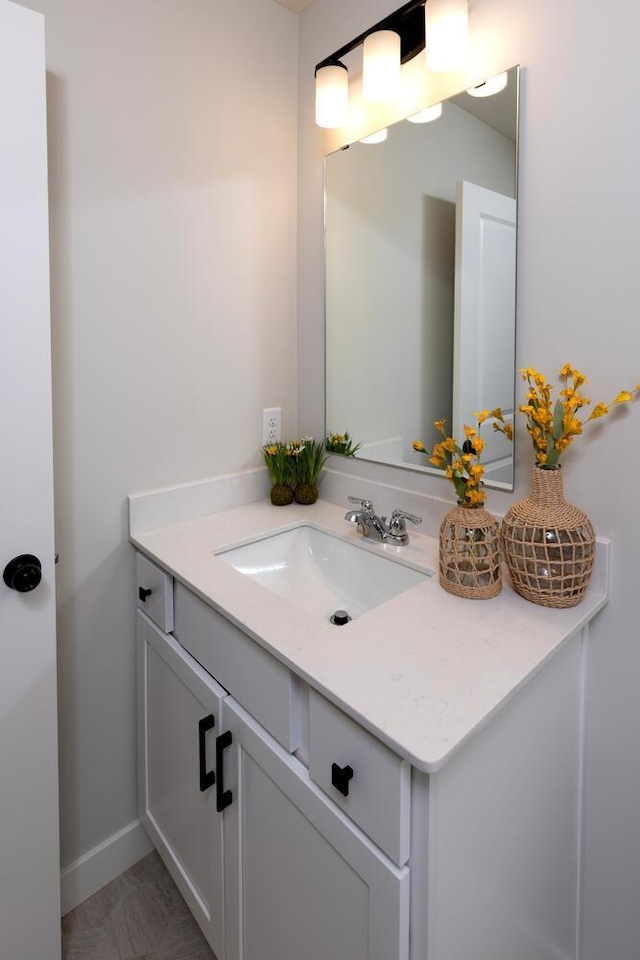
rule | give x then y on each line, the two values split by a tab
423	671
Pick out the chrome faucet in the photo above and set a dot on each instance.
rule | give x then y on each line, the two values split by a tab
374	527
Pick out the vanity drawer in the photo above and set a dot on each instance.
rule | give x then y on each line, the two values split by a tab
378	792
154	593
259	682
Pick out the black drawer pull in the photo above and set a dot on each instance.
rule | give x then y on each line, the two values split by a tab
223	797
207	777
143	594
340	777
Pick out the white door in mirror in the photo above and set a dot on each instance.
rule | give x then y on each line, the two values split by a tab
484	317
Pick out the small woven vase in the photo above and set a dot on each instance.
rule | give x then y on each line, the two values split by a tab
549	544
469	564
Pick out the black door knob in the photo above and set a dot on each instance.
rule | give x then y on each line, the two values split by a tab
23	573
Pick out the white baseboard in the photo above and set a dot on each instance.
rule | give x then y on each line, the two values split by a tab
102	864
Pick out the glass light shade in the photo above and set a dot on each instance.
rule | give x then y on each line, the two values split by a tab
378	137
381	66
446	33
490	86
426	116
332	96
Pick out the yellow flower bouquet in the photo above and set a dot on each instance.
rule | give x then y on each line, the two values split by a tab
548	543
469	554
461	464
553	427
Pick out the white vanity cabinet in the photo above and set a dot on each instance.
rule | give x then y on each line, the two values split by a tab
268	863
318	840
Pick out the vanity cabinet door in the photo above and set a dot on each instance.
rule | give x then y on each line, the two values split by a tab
180	711
301	880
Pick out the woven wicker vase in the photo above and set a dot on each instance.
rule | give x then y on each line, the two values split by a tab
549	544
470	553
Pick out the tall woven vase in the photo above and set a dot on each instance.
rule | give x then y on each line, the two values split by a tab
469	563
549	544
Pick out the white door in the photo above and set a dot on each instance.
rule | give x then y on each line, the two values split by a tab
301	881
29	848
484	318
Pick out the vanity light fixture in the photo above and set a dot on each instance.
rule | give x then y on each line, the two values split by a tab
407	24
381	66
489	87
378	137
440	25
447	34
332	95
426	116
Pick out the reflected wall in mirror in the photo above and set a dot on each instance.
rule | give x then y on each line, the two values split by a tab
420	282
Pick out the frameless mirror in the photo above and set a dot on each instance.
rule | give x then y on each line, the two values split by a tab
420	282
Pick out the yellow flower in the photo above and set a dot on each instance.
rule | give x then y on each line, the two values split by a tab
566	370
439	425
448	472
419	446
449	445
482	416
476	471
600	410
478	445
623	397
469	432
475	496
437	461
272	450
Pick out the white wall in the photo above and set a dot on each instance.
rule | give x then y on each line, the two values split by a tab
172	176
578	300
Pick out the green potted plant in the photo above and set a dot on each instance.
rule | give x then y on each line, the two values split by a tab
341	443
309	457
280	464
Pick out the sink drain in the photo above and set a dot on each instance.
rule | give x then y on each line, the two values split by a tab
339	618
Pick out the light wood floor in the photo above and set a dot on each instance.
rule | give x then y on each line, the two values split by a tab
139	916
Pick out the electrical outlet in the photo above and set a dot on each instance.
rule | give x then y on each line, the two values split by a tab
271	425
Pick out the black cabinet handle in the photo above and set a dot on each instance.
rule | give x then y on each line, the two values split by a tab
207	777
143	594
223	797
340	777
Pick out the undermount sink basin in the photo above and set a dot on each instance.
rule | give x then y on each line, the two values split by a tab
321	573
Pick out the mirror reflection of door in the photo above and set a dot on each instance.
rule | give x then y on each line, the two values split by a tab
390	227
484	318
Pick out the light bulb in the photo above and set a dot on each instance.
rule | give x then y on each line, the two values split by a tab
489	87
446	34
378	137
426	116
332	96
381	66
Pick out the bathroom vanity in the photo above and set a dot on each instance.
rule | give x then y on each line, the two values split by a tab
407	786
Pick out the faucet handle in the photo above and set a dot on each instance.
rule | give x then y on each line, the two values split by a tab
403	515
397	527
365	504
